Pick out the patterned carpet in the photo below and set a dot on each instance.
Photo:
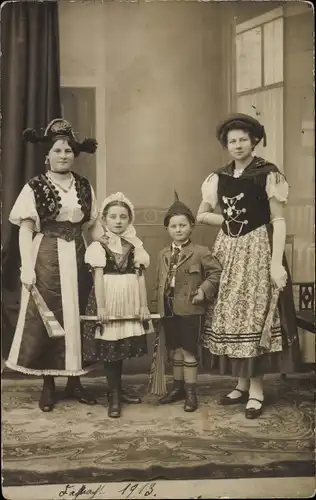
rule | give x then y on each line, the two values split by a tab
77	443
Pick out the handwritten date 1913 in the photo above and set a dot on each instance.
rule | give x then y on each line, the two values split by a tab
147	490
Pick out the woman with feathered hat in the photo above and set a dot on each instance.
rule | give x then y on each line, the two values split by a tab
252	329
51	211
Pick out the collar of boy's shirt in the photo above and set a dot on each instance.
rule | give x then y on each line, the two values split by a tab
174	246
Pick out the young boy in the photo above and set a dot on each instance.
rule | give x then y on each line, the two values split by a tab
188	278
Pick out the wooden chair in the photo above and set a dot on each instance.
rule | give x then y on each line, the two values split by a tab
305	313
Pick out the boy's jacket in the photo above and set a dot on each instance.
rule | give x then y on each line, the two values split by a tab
197	268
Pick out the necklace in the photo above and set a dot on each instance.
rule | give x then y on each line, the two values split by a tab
63	188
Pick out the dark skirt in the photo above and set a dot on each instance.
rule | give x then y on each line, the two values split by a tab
98	350
33	351
286	361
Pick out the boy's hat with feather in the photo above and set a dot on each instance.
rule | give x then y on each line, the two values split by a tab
60	129
178	208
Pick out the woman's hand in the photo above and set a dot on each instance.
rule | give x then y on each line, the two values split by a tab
28	278
102	316
144	314
278	275
198	297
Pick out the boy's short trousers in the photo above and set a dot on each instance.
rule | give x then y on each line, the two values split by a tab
181	331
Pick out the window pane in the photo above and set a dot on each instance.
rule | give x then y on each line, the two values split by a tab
273	52
267	107
248	60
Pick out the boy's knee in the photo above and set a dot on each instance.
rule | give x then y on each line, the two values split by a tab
177	354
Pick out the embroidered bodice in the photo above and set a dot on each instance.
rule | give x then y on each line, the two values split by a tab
48	199
244	200
244	205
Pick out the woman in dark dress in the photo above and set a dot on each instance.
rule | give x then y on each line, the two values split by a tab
255	285
51	211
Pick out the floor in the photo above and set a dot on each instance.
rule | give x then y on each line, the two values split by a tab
22	421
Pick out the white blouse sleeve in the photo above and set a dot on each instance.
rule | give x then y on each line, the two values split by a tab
94	208
277	187
95	255
209	190
24	208
141	257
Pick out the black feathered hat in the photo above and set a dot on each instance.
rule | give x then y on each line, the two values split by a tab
178	208
61	129
243	122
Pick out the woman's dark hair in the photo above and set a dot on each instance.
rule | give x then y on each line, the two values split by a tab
117	203
243	128
49	144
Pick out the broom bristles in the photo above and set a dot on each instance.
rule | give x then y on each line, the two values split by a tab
157	379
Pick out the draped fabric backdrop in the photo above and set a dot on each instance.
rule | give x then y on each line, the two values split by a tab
30	97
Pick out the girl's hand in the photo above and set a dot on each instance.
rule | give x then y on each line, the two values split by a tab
102	316
278	275
28	278
144	314
198	297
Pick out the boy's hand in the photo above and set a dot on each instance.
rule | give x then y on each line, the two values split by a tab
102	316
199	297
144	314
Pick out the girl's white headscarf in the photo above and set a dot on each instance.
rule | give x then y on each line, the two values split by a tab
114	241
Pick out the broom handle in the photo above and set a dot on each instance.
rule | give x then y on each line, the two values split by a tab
115	318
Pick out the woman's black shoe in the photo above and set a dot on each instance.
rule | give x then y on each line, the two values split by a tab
114	408
47	399
252	413
74	390
226	400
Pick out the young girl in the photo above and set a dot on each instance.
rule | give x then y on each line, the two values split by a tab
118	260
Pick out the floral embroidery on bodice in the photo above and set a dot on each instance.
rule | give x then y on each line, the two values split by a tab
233	214
244	205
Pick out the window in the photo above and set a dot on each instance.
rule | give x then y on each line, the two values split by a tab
259	78
259	56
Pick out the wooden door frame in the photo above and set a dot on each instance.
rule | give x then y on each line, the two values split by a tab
94	82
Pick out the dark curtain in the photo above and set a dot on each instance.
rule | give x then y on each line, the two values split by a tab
30	98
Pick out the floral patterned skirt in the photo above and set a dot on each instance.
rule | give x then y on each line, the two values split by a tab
234	323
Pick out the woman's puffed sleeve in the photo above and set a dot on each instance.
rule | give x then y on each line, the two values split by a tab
209	190
95	255
94	208
277	187
24	208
